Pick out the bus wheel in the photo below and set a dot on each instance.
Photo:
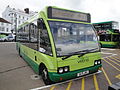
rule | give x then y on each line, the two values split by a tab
100	45
45	76
20	53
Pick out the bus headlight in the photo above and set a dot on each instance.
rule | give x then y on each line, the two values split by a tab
63	69
97	62
60	70
66	69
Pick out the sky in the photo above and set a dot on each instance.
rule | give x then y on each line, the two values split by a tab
100	10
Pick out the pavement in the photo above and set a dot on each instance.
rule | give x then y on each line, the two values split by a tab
16	74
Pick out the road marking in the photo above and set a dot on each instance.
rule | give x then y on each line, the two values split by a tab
83	84
6	42
117	57
109	82
113	54
52	88
69	85
109	56
110	64
108	49
43	87
16	68
95	82
118	76
106	53
113	61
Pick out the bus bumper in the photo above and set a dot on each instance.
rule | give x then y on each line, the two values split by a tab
55	77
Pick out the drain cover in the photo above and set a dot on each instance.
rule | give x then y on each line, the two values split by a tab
35	77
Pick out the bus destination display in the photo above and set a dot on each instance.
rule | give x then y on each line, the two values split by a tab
55	13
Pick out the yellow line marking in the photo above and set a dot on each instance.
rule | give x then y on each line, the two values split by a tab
118	76
95	82
52	88
111	65
69	85
113	61
109	82
117	57
83	84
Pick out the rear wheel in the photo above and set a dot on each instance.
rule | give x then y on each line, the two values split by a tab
45	76
20	53
100	45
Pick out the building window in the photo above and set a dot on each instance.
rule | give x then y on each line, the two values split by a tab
7	29
3	29
7	24
19	22
23	17
19	16
2	23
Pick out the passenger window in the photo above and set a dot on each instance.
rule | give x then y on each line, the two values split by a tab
23	35
33	35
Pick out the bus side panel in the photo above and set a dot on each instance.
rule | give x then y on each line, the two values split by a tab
108	44
34	58
24	53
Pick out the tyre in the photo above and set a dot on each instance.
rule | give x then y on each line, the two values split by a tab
100	45
5	40
20	53
45	76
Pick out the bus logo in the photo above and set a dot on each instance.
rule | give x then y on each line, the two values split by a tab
83	60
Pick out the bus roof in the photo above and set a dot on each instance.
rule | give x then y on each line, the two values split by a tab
105	22
53	12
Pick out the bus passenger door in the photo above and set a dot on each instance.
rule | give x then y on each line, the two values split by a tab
45	47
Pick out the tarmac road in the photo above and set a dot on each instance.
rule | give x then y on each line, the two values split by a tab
15	73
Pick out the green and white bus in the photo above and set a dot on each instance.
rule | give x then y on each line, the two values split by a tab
59	44
108	33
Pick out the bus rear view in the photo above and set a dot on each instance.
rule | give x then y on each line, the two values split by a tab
73	46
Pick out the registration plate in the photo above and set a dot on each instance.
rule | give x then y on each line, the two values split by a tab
82	73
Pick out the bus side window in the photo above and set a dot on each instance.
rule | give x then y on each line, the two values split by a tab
33	35
45	45
23	35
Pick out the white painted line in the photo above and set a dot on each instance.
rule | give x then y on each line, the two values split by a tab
43	87
6	42
108	53
110	56
108	49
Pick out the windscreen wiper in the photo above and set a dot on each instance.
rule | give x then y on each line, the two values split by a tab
94	50
81	53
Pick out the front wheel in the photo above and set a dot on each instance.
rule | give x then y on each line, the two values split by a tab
45	76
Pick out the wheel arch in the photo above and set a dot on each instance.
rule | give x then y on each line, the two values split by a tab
41	66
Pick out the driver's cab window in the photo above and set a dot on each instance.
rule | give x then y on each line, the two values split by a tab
45	45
